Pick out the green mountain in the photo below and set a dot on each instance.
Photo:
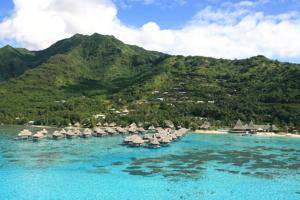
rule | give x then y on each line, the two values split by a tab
83	76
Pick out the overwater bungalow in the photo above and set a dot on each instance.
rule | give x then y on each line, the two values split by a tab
86	133
44	131
71	134
77	125
165	140
133	125
133	130
98	132
63	131
129	139
154	143
137	141
24	134
38	136
173	136
121	130
151	128
147	137
57	135
141	130
111	131
77	132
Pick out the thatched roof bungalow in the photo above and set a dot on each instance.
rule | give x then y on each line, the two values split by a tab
24	134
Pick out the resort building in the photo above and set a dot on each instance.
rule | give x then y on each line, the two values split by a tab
253	128
205	126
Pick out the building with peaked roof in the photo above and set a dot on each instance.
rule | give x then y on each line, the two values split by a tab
251	127
239	127
205	126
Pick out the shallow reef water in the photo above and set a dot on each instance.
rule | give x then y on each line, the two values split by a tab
199	166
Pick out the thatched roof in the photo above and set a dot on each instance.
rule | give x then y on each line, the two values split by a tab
147	136
87	131
274	128
182	131
239	125
98	130
138	140
162	131
121	130
113	124
205	125
133	125
77	124
154	141
39	134
44	131
141	129
132	129
25	133
169	124
131	138
165	140
251	125
173	136
151	127
110	130
70	133
58	134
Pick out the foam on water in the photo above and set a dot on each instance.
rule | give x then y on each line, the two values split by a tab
196	167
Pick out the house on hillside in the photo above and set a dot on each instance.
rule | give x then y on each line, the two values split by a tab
205	126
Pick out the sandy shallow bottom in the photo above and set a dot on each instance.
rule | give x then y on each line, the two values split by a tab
200	166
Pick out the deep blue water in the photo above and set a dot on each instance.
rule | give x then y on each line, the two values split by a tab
196	167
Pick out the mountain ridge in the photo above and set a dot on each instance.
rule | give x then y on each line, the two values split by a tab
93	74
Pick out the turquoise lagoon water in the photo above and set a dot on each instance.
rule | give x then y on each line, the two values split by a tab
196	167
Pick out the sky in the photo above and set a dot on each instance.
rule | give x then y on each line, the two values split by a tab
215	28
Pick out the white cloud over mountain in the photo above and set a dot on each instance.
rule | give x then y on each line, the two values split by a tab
232	31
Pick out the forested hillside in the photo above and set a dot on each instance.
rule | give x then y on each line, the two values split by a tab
84	77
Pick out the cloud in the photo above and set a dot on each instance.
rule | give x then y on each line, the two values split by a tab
231	31
163	3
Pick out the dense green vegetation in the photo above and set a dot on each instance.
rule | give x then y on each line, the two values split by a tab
83	76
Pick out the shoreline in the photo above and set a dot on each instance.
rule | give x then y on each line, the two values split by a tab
40	126
264	134
209	132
